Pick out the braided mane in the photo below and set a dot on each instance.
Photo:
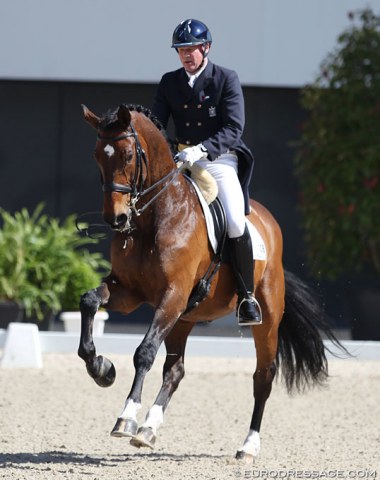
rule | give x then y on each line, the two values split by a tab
109	120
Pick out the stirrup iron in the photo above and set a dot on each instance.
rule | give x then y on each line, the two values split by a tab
246	322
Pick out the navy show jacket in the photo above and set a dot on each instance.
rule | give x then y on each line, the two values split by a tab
211	113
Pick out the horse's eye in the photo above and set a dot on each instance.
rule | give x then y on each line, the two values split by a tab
128	156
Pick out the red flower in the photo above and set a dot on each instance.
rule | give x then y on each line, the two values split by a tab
371	183
351	208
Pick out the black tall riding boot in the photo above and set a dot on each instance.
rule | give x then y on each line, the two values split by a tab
248	309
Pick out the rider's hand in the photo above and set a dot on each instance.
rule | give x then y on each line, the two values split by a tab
190	155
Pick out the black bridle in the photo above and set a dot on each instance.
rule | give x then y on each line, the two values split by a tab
136	189
137	183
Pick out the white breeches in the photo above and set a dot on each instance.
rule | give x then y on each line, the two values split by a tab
224	170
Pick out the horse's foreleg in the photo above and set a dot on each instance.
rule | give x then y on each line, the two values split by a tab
173	373
99	368
126	424
163	321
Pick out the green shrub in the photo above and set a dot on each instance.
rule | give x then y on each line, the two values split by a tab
338	157
44	262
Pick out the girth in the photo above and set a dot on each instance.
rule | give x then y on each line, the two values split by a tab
202	289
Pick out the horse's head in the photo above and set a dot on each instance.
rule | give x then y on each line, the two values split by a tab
122	164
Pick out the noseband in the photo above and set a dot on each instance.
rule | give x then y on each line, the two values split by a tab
136	189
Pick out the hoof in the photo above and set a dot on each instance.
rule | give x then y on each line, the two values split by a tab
144	438
245	457
124	427
106	373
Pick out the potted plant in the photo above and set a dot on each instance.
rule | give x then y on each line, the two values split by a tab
338	163
37	255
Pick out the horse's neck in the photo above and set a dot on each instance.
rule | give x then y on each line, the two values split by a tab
173	189
159	167
170	191
159	158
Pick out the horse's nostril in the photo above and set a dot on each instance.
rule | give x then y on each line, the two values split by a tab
120	221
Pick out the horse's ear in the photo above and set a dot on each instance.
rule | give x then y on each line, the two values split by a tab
124	116
90	117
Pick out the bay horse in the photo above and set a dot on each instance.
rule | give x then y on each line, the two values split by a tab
159	252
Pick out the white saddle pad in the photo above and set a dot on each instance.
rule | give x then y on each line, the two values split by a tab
258	246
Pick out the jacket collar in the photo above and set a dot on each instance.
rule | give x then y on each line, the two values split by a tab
202	81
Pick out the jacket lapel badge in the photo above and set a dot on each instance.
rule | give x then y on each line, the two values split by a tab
212	111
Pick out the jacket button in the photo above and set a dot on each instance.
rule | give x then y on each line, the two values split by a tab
187	142
185	106
199	124
199	105
187	124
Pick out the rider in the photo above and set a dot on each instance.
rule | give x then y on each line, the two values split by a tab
206	104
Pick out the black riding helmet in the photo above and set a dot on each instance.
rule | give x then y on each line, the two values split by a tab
191	32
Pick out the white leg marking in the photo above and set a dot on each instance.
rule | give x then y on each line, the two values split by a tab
154	418
252	443
130	410
109	150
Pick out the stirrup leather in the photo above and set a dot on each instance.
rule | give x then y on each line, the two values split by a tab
241	321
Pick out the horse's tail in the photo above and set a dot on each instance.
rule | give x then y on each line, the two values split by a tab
301	353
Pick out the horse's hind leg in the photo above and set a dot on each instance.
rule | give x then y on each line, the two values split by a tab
266	341
99	368
173	373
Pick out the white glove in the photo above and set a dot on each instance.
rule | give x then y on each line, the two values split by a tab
190	155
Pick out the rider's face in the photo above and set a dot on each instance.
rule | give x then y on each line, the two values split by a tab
192	57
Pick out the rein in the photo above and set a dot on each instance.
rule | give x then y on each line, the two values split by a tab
136	190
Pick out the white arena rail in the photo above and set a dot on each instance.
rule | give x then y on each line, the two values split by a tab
61	342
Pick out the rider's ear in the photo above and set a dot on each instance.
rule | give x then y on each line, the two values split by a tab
206	49
124	116
90	117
